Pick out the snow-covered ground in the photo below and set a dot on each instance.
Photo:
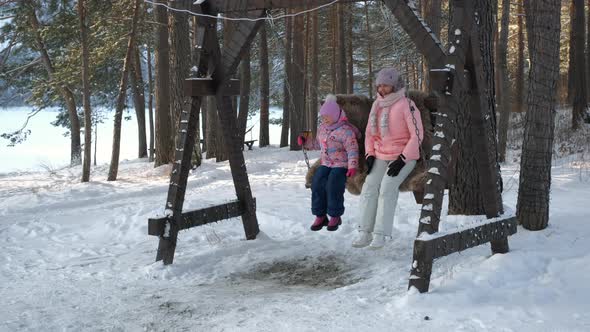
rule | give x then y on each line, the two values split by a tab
77	257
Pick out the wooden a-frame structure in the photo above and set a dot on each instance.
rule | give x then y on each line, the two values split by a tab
457	77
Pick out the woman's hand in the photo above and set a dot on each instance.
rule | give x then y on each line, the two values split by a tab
396	166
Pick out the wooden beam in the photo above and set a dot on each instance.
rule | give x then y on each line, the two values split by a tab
206	87
429	247
445	244
427	42
157	226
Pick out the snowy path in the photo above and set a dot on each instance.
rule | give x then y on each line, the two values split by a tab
77	257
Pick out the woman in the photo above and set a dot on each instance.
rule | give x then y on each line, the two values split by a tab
392	143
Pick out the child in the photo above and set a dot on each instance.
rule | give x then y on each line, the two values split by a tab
392	141
337	140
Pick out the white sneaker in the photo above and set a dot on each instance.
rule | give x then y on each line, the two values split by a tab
362	240
378	242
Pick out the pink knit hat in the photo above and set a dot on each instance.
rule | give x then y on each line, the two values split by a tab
331	109
390	76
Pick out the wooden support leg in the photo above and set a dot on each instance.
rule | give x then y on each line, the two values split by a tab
182	165
238	166
421	266
500	246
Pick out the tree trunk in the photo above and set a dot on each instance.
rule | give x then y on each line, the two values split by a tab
245	78
588	53
137	87
82	11
150	100
579	64
212	126
197	155
263	136
65	92
349	52
465	195
519	98
120	104
572	61
315	73
333	33
369	50
340	50
297	84
180	50
164	127
432	15
543	24
503	80
286	87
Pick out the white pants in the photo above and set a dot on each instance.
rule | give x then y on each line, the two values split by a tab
379	197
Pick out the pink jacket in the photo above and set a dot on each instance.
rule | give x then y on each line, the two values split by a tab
401	136
339	147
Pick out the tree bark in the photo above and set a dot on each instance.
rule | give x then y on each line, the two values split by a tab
245	78
137	87
82	12
315	73
432	15
572	50
120	104
64	91
519	97
180	50
164	127
544	25
579	64
340	50
503	80
350	52
212	125
297	84
369	50
197	155
150	101
287	82
264	136
465	194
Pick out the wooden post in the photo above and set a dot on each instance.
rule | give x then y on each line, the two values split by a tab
182	160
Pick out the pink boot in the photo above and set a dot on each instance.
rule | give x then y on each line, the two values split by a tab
334	223
319	223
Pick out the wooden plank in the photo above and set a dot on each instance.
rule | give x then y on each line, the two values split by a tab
206	87
426	42
156	226
445	244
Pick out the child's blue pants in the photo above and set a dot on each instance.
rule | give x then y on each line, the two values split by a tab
327	191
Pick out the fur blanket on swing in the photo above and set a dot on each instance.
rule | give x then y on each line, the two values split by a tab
357	108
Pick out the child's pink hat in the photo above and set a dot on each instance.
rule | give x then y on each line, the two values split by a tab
331	109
